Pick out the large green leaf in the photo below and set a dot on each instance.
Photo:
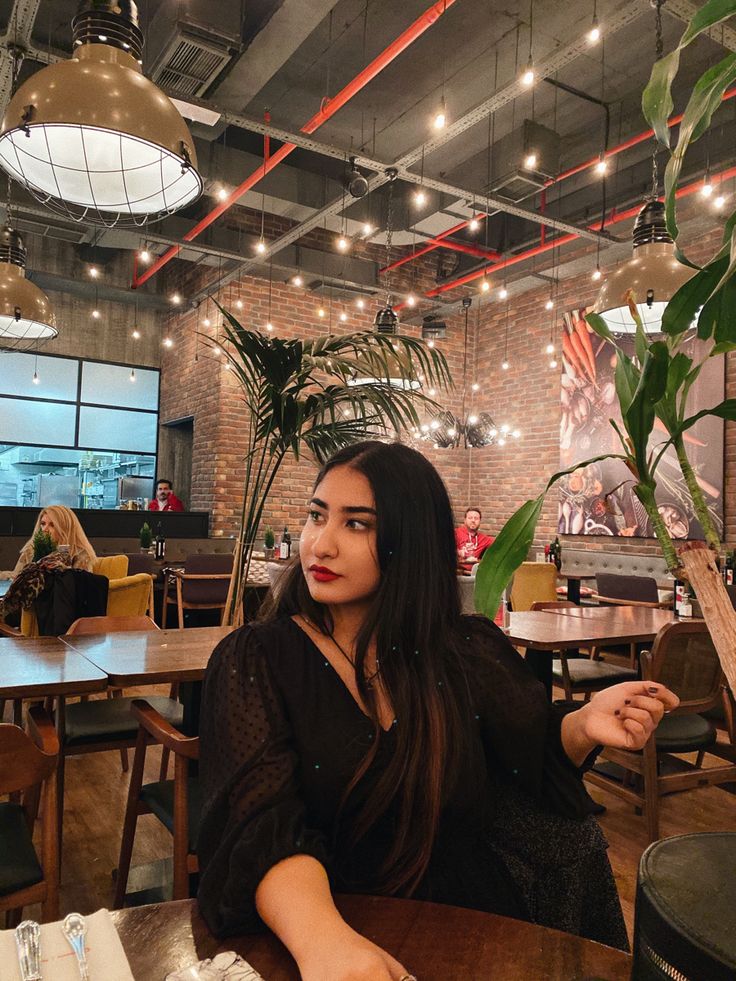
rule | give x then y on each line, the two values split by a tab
600	327
512	545
717	319
724	410
626	378
690	297
677	373
639	417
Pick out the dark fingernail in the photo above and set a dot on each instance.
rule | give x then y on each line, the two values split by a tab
627	701
617	712
653	690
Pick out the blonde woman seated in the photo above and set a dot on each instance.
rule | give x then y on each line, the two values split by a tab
29	576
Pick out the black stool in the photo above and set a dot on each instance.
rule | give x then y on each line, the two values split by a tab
685	922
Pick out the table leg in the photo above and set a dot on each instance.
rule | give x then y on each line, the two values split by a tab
541	664
573	591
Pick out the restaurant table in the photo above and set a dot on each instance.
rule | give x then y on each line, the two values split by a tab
436	943
36	667
542	632
151	657
573	580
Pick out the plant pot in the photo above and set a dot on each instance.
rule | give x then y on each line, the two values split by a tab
269	553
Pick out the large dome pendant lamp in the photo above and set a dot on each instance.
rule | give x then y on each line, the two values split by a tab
653	273
92	138
26	317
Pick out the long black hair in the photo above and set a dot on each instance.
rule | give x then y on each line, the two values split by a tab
414	619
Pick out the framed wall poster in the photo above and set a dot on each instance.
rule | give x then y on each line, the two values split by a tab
599	499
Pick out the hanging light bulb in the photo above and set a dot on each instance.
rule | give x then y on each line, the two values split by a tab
440	117
430	343
239	304
136	335
653	273
297	280
602	166
504	365
474	224
594	34
94	272
144	255
472	419
216	349
360	303
420	198
132	374
168	342
207	322
260	246
529	75
550	349
596	274
368	229
553	363
707	189
530	161
342	244
343	316
485	285
411	300
549	304
96	314
91	137
503	293
719	202
269	325
176	299
26	317
321	312
222	193
36	380
475	386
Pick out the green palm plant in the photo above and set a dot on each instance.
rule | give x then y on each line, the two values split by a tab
656	382
317	396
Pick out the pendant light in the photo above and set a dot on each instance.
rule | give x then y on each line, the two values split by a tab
92	138
653	273
386	321
26	317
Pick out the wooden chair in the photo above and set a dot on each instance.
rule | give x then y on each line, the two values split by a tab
27	763
684	659
616	590
175	803
583	675
202	584
98	725
534	582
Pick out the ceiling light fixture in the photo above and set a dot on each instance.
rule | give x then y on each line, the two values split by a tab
125	157
602	166
360	304
485	285
386	321
411	300
96	314
549	304
596	274
168	342
260	246
136	334
420	198
368	229
719	202
474	224
529	75
530	161
94	272
355	183
440	117
297	280
26	317
144	255
503	293
342	244
707	189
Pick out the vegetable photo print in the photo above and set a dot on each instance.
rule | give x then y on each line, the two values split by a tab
598	499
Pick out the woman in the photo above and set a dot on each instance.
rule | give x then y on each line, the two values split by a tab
369	738
62	524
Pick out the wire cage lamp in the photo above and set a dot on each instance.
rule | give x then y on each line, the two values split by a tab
27	319
92	138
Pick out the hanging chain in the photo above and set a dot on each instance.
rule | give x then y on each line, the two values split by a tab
391	173
657	4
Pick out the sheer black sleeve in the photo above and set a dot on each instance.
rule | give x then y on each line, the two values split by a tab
520	728
252	815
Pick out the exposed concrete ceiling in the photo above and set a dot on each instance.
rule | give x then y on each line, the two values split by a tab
291	54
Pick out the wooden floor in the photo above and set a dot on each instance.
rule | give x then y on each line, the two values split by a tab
95	801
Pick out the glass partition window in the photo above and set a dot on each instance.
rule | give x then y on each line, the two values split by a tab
75	432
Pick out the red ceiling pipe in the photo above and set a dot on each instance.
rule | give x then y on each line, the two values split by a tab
328	109
538	249
619	148
434	243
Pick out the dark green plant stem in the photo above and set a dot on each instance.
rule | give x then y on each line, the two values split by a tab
696	493
645	493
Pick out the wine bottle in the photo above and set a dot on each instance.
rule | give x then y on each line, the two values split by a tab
160	544
285	547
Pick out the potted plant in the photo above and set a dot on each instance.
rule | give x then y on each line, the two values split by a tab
43	544
654	384
316	396
269	542
146	537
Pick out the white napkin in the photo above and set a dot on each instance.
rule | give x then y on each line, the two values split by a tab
106	958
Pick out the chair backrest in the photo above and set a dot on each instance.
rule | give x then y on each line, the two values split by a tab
130	596
109	625
22	763
140	562
203	591
112	566
534	582
638	588
684	659
553	605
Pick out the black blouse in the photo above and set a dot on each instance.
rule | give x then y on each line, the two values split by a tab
281	737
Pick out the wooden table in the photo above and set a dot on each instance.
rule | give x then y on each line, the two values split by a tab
573	580
545	631
34	666
436	943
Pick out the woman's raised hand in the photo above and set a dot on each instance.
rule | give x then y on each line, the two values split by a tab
624	716
348	956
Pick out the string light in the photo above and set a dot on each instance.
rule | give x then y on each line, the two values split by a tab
485	285
549	304
596	274
176	299
261	246
168	342
440	117
269	326
504	366
96	314
297	280
368	229
550	349
474	224
411	300
602	166
475	386
136	334
343	316
719	202
360	304
553	363
707	189
321	312
94	272
420	198
342	244
503	293
239	304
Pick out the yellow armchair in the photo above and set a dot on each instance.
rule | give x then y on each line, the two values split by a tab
112	566
130	596
534	582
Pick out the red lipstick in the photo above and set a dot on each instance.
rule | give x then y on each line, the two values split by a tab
322	574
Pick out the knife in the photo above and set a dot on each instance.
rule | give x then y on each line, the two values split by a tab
28	946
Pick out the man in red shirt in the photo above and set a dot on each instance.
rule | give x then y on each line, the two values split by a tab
470	543
165	499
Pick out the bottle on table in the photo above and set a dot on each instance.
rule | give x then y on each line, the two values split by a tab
728	569
160	544
285	546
